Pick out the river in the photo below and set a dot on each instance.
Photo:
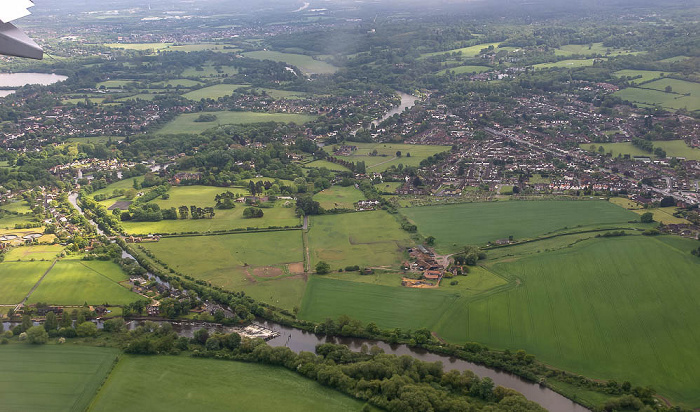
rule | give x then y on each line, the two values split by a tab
22	79
407	101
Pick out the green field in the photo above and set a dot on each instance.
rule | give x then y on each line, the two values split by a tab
591	49
675	59
478	223
306	64
367	239
52	378
176	82
569	64
209	71
74	282
139	46
94	139
317	164
622	308
470	51
213	92
684	94
267	266
464	69
284	94
647	75
18	278
212	385
386	154
339	197
115	84
185	123
673	148
25	253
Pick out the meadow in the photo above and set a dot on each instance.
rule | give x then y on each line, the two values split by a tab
647	75
386	154
306	64
212	385
569	64
684	94
591	49
176	83
464	69
339	197
139	46
673	148
185	123
208	71
265	265
470	51
74	282
18	278
25	253
455	226
367	239
213	92
52	378
317	164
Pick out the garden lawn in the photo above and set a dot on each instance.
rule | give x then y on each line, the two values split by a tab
618	308
52	378
455	226
212	385
306	64
185	123
74	282
339	197
18	278
366	239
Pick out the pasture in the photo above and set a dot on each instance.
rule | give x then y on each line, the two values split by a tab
568	64
214	385
317	164
208	71
673	148
591	49
74	282
185	123
386	154
139	46
683	94
339	197
18	278
28	253
478	223
664	215
464	69
646	75
52	378
471	51
367	239
176	83
214	92
306	64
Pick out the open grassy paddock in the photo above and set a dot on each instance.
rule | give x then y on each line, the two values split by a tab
367	239
214	385
339	197
591	49
317	164
28	253
673	148
478	223
266	265
470	51
646	75
18	278
74	282
52	378
569	64
386	154
683	94
465	69
213	92
208	71
305	63
185	123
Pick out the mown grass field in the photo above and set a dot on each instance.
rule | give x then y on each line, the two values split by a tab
339	197
28	253
177	82
213	92
470	51
684	94
621	308
590	49
212	385
664	215
185	123
647	75
208	71
18	278
367	239
74	282
386	154
306	64
569	64
673	148
464	69
317	164
478	223
139	46
52	378
267	265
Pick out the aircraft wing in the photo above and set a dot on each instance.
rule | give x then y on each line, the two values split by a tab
13	42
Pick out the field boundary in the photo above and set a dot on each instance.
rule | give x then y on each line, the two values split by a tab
38	282
229	232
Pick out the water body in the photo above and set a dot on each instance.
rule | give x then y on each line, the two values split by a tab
407	101
23	79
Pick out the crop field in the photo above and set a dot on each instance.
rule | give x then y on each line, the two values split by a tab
647	75
622	308
594	48
305	63
465	69
52	378
478	223
386	154
339	197
367	239
317	164
28	253
673	148
185	123
569	64
470	51
18	278
214	385
74	282
213	92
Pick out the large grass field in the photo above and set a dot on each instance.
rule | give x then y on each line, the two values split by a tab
569	64
267	266
339	197
623	308
185	123
367	239
51	378
684	94
591	49
317	164
213	92
673	148
386	154
28	253
465	69
647	75
478	223
209	71
137	384
74	282
306	64
470	51
18	278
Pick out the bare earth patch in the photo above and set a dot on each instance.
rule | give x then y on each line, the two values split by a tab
268	272
296	268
